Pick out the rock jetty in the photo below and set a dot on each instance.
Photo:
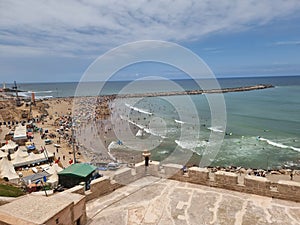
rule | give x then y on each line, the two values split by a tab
196	92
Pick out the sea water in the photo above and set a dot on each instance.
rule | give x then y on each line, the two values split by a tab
262	128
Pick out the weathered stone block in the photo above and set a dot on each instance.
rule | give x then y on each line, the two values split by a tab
198	175
226	178
140	169
153	168
255	182
173	171
289	187
125	176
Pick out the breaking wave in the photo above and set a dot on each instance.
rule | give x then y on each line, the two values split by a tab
278	145
138	110
179	121
216	129
144	128
191	144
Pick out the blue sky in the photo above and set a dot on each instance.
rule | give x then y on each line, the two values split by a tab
50	41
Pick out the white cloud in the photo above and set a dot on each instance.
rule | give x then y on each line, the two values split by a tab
90	27
287	43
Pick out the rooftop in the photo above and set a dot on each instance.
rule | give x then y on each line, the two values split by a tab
152	200
39	209
79	169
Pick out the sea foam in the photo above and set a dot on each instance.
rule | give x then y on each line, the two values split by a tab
190	144
216	129
179	121
138	109
278	145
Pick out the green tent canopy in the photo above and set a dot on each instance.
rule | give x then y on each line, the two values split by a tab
78	169
75	174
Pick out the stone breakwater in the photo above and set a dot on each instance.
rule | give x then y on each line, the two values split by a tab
195	92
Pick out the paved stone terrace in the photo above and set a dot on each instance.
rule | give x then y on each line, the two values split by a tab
151	200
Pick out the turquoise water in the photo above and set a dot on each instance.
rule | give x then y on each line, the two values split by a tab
271	114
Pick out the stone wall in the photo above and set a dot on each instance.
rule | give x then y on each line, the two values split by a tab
101	186
79	189
79	206
75	211
226	180
105	185
198	175
287	190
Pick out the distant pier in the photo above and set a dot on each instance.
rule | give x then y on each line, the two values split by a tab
194	92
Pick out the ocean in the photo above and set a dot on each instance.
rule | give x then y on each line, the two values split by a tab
262	126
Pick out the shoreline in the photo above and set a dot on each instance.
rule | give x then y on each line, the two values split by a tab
59	107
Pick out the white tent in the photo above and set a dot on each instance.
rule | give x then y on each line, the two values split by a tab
7	170
2	154
20	133
19	158
21	153
53	179
54	169
30	159
9	146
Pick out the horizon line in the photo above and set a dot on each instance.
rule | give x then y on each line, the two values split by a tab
175	79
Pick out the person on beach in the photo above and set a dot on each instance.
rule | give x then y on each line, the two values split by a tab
292	174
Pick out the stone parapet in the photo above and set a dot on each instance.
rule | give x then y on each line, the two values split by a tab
140	170
287	190
173	171
101	186
198	175
125	176
153	169
257	185
78	189
226	179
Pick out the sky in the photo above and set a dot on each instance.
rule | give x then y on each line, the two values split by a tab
53	41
